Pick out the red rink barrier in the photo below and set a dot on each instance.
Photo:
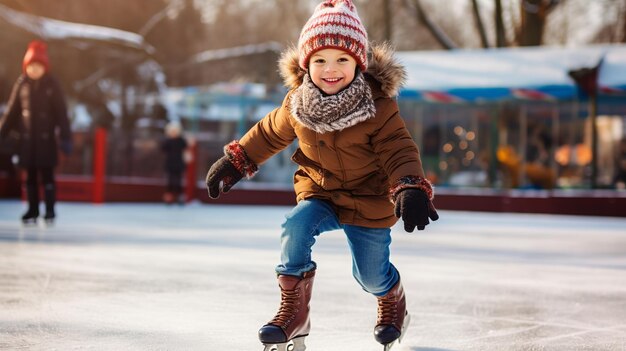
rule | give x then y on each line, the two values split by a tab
99	165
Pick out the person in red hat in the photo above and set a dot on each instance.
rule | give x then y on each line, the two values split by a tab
37	114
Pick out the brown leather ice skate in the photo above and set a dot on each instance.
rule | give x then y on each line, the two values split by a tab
393	317
291	323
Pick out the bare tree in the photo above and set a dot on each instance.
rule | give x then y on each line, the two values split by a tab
622	18
499	23
614	29
388	20
435	30
534	15
479	24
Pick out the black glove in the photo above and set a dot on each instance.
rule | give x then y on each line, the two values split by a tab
414	207
222	172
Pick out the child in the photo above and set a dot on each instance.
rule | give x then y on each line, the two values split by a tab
358	167
174	147
36	110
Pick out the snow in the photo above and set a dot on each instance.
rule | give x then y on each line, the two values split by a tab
200	277
245	50
531	67
55	29
613	70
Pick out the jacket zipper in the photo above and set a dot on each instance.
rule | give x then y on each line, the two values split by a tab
343	169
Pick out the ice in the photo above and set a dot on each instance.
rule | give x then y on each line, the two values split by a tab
201	277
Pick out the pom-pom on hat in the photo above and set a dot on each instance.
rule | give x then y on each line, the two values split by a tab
335	24
37	52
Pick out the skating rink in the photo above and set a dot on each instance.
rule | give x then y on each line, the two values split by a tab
201	277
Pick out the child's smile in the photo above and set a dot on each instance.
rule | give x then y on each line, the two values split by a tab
330	84
331	80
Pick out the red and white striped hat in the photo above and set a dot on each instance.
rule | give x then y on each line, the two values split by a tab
335	24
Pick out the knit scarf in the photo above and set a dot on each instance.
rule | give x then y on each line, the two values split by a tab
326	113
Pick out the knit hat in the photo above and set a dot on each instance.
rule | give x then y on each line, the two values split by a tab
335	24
36	52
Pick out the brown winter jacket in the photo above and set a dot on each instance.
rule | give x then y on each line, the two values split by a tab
353	168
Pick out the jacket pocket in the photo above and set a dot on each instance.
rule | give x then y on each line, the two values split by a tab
313	170
375	184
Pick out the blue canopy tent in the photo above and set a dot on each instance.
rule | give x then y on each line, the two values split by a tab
534	73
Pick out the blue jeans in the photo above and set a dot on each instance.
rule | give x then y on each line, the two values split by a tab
369	246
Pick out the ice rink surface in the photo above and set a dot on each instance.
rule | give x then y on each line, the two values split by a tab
201	277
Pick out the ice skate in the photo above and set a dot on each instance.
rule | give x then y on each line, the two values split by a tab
50	200
290	326
30	217
393	318
32	194
49	218
29	221
180	199
407	321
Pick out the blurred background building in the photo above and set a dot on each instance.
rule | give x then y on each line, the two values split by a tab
508	100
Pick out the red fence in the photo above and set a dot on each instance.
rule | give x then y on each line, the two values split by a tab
100	188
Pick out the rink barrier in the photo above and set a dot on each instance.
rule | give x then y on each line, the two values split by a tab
100	188
99	165
132	189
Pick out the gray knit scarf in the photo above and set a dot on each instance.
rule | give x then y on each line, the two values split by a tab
326	113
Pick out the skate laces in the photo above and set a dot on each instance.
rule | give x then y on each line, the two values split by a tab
387	310
288	308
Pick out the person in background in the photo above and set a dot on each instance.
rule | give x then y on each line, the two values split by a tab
359	169
174	146
37	114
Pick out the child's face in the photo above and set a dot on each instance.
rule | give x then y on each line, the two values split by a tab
35	70
331	70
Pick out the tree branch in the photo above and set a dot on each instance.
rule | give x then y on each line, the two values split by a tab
500	31
439	34
479	24
387	12
623	23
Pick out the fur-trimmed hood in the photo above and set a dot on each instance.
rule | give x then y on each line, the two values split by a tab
383	68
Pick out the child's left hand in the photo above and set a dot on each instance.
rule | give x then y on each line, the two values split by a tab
414	207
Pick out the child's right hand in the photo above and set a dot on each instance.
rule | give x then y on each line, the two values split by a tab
223	173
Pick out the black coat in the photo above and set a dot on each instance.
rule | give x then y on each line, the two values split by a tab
174	149
35	112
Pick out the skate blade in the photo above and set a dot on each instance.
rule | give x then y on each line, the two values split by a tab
295	344
405	325
29	222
